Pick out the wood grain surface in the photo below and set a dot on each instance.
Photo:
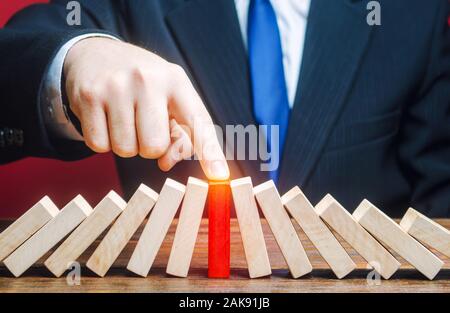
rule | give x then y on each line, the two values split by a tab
322	279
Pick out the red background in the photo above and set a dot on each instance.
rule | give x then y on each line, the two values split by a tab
24	182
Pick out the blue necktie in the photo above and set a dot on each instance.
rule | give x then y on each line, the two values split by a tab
270	100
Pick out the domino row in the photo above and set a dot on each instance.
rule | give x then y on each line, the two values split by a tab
369	231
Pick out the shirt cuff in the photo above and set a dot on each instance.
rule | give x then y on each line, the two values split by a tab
56	115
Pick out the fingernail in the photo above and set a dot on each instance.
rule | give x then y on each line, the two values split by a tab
219	170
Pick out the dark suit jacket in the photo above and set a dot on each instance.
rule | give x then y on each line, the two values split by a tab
371	118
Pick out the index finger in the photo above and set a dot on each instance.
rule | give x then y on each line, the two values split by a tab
186	107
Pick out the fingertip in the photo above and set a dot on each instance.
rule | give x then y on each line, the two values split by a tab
98	145
164	165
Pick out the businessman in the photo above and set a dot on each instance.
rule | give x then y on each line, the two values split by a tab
363	110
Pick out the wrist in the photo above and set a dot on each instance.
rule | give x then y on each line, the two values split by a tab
81	48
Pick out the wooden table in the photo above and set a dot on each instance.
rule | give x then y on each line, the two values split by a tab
38	279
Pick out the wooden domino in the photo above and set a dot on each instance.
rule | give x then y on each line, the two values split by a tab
391	234
426	231
139	206
187	228
321	237
284	232
90	229
335	215
250	228
48	236
218	202
156	228
24	227
369	231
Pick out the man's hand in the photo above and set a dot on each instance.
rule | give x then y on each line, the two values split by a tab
134	102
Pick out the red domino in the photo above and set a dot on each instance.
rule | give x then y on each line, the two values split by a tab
219	197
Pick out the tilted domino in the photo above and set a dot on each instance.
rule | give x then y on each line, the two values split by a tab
284	232
426	231
390	233
48	236
321	237
187	228
250	227
90	229
156	228
25	226
335	215
115	240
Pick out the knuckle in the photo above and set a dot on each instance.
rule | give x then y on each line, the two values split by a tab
156	110
153	151
116	84
177	73
139	75
89	93
98	145
124	150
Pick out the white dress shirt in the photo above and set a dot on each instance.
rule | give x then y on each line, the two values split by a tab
292	20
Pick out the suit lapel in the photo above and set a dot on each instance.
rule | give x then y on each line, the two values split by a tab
336	38
208	35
